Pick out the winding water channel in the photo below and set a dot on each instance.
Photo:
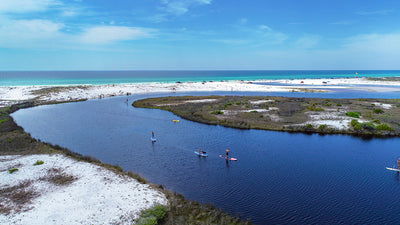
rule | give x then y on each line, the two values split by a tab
279	178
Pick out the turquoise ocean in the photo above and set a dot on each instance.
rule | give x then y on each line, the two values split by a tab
29	78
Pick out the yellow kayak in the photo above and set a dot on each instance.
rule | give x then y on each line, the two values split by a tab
176	121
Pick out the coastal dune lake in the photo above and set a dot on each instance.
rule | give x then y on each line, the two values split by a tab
279	178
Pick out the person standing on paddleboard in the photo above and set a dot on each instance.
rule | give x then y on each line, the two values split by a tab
227	153
152	134
398	163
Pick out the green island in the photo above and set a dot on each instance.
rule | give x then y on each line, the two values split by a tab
15	141
361	117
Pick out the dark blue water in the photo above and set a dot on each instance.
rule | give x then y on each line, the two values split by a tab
279	178
27	78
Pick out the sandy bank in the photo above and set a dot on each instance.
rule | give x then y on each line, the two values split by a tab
10	95
94	196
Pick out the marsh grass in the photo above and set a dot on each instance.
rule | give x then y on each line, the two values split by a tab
183	211
288	115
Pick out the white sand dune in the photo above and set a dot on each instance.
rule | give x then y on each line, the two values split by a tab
97	196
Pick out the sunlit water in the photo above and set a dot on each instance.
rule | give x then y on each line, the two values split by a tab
279	178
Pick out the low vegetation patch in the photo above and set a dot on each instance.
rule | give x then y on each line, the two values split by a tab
183	211
13	170
153	216
16	198
218	112
384	127
353	114
3	120
58	177
288	114
39	162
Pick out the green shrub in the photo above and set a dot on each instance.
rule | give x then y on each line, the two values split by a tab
338	104
119	168
314	108
377	121
39	162
384	126
323	126
153	215
378	111
354	123
4	120
218	112
12	170
309	126
358	127
368	126
353	114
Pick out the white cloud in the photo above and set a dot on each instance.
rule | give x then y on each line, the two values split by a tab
308	41
20	33
38	33
375	43
270	36
265	27
111	34
23	6
180	7
242	21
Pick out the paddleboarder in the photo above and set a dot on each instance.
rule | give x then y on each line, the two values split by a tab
152	134
398	163
227	153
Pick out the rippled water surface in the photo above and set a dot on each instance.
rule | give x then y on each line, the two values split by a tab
279	178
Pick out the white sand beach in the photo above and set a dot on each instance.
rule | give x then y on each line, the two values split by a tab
11	95
95	196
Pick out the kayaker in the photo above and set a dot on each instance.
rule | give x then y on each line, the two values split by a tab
200	151
227	153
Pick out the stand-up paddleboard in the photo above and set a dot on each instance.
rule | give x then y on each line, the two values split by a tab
393	169
153	139
228	158
201	154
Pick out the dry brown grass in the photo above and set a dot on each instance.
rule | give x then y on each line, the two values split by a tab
17	198
58	177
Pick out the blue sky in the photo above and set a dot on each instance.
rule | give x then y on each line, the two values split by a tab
199	34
